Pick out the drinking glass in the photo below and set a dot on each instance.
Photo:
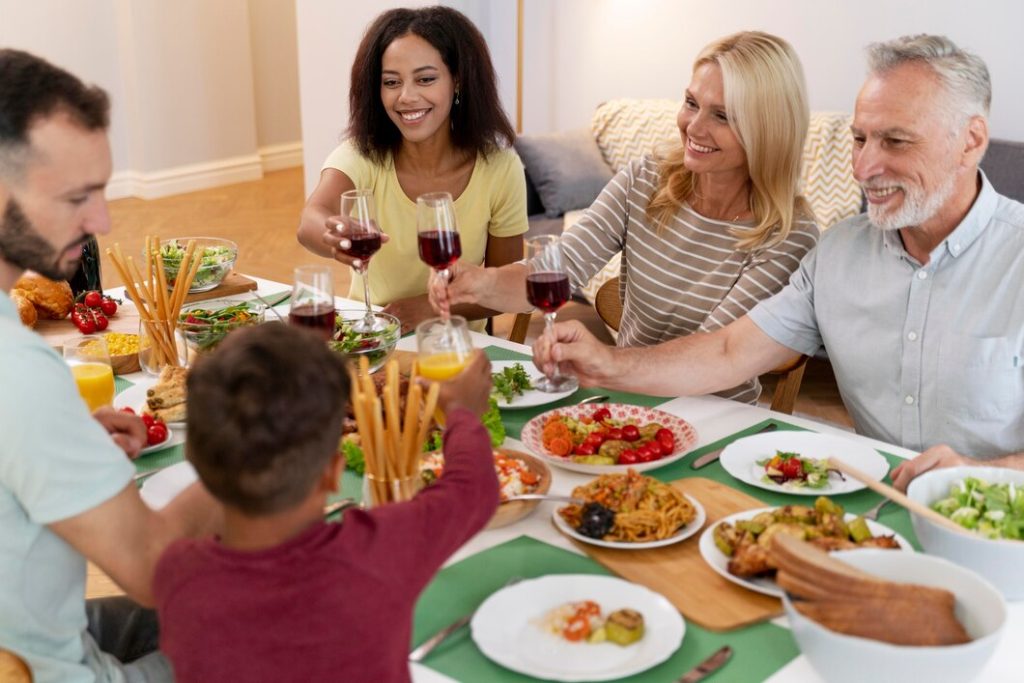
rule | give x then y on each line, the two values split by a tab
155	346
312	303
547	288
443	347
89	360
358	224
438	233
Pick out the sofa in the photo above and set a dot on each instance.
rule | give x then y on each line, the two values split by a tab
565	171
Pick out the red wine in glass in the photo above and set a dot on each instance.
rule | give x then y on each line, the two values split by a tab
320	319
439	249
547	291
362	243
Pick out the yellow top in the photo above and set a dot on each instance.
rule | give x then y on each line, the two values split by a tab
493	203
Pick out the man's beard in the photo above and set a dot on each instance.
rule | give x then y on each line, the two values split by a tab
917	207
22	246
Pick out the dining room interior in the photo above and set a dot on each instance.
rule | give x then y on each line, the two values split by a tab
222	115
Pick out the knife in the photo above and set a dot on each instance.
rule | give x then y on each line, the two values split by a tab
428	645
708	666
709	458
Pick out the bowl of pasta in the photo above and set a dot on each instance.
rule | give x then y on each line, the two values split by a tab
630	511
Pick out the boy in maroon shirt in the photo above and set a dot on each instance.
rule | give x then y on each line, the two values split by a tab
282	595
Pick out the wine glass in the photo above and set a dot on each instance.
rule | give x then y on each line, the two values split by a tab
438	233
89	360
358	224
312	303
547	288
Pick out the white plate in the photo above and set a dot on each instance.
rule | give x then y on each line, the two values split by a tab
507	629
686	436
134	397
681	535
422	674
719	561
158	490
173	439
530	397
740	460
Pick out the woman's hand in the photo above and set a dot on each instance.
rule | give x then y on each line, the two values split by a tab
127	430
337	244
467	284
411	312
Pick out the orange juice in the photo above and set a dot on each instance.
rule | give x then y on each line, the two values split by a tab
442	366
95	383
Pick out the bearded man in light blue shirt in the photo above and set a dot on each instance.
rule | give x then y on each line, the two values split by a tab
919	303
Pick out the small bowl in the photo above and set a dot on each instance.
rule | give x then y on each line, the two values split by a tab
202	337
510	513
999	561
211	273
125	364
840	658
376	346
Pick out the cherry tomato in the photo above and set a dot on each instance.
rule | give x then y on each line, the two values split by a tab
577	629
92	299
156	433
630	433
595	439
655	447
615	433
667	440
101	320
601	414
87	326
792	469
627	456
148	420
108	306
584	449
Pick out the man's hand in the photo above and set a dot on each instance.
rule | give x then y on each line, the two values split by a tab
935	457
127	430
467	285
579	352
470	389
338	244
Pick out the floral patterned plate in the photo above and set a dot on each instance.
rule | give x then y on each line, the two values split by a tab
685	435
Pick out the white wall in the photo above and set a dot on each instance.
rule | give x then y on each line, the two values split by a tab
582	52
275	67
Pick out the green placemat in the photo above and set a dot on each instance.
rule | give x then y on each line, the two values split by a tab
515	419
759	651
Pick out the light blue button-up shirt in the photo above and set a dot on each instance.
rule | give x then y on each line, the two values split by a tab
923	355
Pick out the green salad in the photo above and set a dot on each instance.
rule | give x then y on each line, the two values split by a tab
374	345
795	471
511	382
204	328
991	510
215	264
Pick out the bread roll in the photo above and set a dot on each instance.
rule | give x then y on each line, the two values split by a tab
26	310
52	299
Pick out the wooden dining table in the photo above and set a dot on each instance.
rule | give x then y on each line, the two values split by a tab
533	546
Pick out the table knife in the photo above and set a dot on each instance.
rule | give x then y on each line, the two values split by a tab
708	666
428	645
709	458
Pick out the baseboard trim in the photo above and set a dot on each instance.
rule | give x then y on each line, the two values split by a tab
188	178
278	157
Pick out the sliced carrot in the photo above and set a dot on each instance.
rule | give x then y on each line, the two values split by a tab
559	446
528	477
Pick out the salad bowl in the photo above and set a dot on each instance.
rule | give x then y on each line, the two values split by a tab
218	258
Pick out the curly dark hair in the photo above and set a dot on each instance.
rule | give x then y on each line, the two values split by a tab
32	88
265	413
479	124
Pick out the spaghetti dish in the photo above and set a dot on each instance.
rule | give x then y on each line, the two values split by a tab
645	508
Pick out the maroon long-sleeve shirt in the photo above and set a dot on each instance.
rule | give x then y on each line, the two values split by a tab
335	602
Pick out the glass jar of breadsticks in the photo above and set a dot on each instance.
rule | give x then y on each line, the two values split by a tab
159	306
390	434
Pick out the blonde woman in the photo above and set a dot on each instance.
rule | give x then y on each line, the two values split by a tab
706	228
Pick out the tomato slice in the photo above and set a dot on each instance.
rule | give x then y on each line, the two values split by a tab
577	629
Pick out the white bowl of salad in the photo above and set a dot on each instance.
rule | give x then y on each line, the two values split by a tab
218	258
990	502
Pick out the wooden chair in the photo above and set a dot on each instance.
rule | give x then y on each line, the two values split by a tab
790	374
520	328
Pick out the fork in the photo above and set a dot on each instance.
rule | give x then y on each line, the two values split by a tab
872	514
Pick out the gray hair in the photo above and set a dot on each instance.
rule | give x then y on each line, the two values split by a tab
963	73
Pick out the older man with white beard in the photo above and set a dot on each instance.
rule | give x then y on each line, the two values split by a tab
919	303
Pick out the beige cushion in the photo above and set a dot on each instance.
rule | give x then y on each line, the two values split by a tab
827	175
627	129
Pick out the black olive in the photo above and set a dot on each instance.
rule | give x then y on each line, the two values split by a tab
596	520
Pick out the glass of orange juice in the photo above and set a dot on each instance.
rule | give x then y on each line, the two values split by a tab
443	350
89	360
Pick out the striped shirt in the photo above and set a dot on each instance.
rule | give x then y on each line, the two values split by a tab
690	278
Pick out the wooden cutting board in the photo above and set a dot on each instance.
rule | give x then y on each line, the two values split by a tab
234	283
56	332
680	573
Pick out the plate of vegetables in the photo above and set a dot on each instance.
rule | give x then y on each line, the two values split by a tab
513	385
611	438
204	328
797	462
577	627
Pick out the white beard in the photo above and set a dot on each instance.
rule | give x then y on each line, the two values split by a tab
917	207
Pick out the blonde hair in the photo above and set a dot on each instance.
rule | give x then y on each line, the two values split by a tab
766	103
